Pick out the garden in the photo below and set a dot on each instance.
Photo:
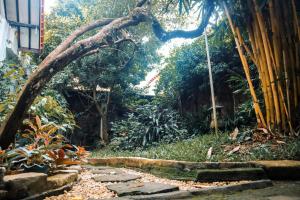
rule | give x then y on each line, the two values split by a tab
151	99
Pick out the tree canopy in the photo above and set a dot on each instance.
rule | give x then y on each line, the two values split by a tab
111	25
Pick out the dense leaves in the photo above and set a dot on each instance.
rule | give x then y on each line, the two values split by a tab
148	125
185	80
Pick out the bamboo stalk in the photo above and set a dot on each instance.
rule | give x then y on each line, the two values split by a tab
296	22
275	35
241	41
256	54
265	73
260	117
277	59
291	50
287	83
275	48
269	64
298	66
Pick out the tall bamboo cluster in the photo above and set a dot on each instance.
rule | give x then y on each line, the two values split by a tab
273	32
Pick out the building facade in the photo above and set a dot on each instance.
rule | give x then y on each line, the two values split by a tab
21	26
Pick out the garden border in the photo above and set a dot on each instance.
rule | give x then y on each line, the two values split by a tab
275	170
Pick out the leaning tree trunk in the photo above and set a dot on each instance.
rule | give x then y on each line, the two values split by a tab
102	109
60	58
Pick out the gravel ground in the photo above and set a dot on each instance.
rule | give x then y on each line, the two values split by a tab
87	188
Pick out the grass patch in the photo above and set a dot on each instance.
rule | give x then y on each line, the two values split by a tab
196	150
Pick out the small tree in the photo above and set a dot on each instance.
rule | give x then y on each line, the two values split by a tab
108	75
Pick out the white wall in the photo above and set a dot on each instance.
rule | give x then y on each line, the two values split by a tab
8	35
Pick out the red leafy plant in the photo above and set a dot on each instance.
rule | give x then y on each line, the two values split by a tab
44	149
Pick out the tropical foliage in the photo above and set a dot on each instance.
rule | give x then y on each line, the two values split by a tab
146	126
41	148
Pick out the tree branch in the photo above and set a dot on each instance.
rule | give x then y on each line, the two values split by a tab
141	3
164	36
77	33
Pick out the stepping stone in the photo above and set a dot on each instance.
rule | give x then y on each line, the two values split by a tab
116	177
160	196
59	180
234	174
108	171
136	188
164	196
23	185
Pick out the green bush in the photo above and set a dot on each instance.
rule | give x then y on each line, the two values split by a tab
50	105
51	111
147	126
12	77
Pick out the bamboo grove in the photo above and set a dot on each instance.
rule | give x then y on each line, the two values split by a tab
271	43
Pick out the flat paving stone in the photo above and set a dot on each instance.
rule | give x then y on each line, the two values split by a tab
108	171
116	177
59	180
138	188
160	196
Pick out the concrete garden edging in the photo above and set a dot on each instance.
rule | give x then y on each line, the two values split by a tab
275	170
140	162
280	169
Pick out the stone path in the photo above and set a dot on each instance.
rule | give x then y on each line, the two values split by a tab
111	183
239	181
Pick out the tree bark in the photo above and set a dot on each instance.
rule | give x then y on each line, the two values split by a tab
102	109
104	128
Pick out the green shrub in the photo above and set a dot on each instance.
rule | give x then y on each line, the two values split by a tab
50	106
50	111
12	77
147	126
